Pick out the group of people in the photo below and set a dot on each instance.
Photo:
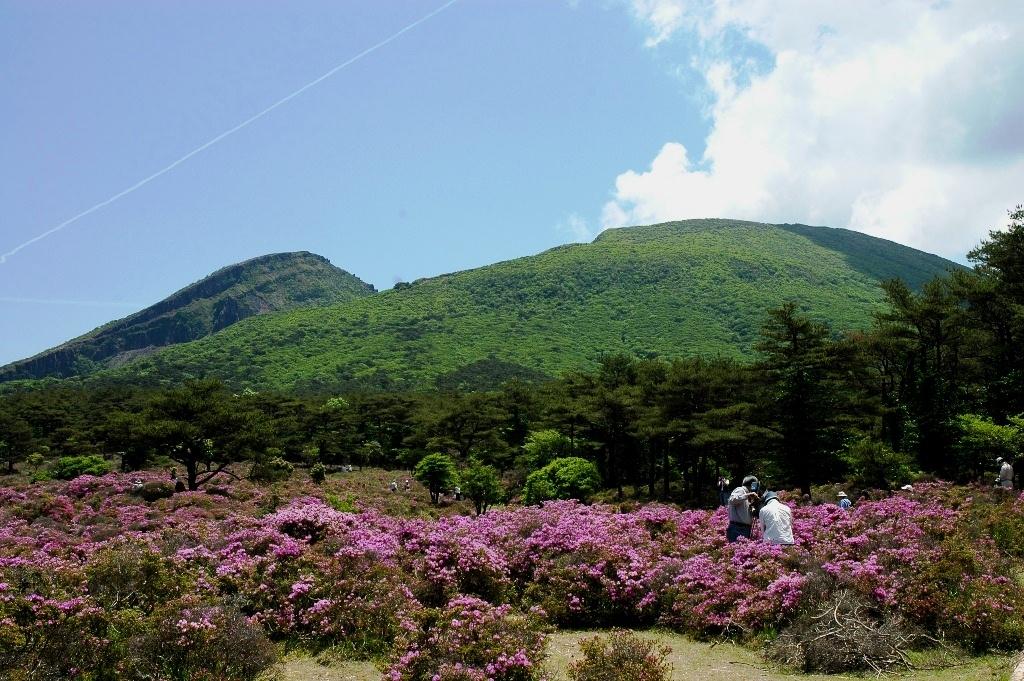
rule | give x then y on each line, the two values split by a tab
406	486
746	504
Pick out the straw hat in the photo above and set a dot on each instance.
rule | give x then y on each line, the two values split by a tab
842	495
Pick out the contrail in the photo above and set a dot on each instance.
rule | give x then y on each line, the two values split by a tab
61	301
203	147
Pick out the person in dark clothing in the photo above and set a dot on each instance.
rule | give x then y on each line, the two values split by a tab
742	509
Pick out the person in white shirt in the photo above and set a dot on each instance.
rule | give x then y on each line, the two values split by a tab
741	509
776	521
1005	473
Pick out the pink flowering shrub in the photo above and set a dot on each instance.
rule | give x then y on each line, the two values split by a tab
471	640
191	640
942	558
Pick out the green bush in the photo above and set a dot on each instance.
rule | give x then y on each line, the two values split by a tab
621	656
437	472
481	485
318	473
980	441
566	478
271	469
70	467
874	466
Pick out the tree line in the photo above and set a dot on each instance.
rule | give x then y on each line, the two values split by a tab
934	386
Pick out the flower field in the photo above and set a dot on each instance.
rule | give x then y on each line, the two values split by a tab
98	583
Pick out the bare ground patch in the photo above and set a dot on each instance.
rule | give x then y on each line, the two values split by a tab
691	661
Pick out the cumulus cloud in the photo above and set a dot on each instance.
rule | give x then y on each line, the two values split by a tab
900	118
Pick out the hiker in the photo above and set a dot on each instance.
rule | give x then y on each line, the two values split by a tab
723	490
407	485
776	521
1005	479
458	493
844	501
742	509
393	486
179	486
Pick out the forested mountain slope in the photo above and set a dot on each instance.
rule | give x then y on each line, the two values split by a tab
681	288
281	281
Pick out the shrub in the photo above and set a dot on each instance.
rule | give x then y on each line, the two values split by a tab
481	485
543	446
567	478
154	490
70	467
131	575
874	466
980	441
318	473
50	638
200	642
437	473
471	640
271	469
621	656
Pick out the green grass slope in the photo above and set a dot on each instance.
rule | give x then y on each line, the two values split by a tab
280	281
682	288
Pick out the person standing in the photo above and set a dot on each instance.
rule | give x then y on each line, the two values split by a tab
741	509
723	490
844	501
776	521
1005	473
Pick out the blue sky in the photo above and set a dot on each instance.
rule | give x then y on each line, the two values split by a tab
494	130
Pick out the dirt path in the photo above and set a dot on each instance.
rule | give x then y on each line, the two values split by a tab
691	661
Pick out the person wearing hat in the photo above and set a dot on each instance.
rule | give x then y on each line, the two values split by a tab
1005	479
742	509
776	521
844	501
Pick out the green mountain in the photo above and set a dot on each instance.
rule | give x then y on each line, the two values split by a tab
675	289
270	283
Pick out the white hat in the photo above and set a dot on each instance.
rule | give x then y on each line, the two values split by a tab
999	459
842	495
908	488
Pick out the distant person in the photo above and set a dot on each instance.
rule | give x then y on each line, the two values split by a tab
844	501
741	509
393	486
407	486
723	490
776	521
458	493
805	500
1005	479
179	486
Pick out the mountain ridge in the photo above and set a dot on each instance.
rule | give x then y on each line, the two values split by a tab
673	289
267	283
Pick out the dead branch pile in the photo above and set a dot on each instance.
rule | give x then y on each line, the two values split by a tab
846	633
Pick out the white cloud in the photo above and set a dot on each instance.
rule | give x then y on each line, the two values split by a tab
900	118
576	228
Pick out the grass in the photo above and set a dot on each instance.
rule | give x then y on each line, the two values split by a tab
691	661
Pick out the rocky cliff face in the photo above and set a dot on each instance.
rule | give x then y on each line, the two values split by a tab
280	281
